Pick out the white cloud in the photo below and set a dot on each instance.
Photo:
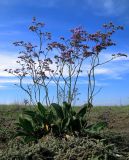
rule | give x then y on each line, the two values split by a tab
103	71
9	33
8	80
50	3
2	87
40	3
14	80
97	83
113	70
108	7
108	55
101	7
7	60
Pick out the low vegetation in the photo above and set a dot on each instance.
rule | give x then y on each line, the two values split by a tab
111	143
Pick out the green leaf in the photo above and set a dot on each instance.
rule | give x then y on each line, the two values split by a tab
36	117
73	113
19	134
59	110
28	139
26	124
76	124
82	111
30	113
96	128
65	123
51	116
89	105
41	108
55	129
66	108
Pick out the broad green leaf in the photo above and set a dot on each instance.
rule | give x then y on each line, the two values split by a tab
36	117
26	124
75	124
51	117
29	113
96	128
59	110
65	123
28	139
82	111
89	105
72	112
66	108
19	134
41	108
55	129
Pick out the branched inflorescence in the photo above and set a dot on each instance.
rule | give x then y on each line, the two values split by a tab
64	66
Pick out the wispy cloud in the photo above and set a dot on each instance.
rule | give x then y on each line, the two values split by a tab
5	82
108	7
113	70
14	80
105	56
9	80
3	87
43	3
100	7
98	83
7	60
9	33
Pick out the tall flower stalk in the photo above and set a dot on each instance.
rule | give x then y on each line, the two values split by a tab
65	67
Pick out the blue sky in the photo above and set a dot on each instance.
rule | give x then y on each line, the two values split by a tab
60	16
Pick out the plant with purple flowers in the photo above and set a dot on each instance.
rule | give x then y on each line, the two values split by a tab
64	65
